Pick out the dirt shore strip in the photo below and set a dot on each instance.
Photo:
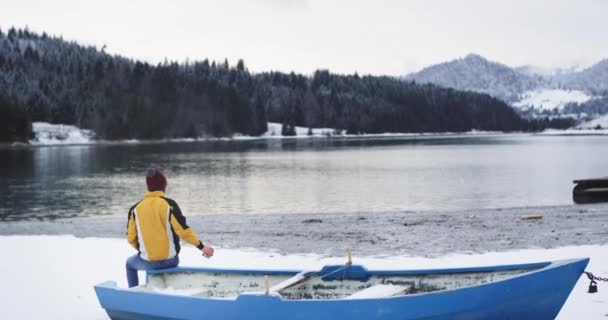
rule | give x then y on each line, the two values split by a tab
428	234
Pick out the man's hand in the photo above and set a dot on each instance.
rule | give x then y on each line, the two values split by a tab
208	251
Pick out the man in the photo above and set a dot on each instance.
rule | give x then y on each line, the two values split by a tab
154	228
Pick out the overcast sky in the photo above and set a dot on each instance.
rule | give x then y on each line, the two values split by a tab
369	37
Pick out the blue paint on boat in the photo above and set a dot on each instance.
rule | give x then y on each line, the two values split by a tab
538	294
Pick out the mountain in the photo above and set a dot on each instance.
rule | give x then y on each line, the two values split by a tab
534	91
551	99
535	71
593	79
475	73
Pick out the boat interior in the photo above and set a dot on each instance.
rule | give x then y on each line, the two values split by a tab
333	282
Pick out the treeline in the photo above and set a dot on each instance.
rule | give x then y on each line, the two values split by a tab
63	82
595	106
15	122
380	104
45	78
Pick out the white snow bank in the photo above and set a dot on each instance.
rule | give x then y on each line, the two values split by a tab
549	99
601	122
274	130
52	277
574	132
53	134
61	134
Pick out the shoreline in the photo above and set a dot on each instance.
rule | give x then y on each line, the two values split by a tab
424	233
413	136
238	138
241	138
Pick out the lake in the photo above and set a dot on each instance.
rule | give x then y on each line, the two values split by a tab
319	175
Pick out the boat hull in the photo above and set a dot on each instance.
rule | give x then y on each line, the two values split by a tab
590	191
537	295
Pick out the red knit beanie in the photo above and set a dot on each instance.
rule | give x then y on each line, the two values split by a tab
155	180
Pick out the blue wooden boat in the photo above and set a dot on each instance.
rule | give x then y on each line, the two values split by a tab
524	291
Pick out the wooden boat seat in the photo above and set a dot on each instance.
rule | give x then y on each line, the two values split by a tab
378	291
298	278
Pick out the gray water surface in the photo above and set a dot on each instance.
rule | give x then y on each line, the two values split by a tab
297	176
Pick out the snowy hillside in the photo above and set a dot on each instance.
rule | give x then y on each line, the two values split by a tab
537	71
598	123
549	99
549	73
592	79
533	89
475	73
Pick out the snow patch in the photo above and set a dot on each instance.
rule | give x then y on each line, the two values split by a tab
574	132
597	123
61	134
549	99
274	130
54	134
597	126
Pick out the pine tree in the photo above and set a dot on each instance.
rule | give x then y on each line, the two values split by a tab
240	65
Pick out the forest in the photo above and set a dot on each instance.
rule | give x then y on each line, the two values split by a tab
45	78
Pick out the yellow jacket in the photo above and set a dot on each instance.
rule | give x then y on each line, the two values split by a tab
155	225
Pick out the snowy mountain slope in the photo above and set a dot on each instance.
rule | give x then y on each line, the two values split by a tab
593	79
537	71
549	99
475	73
548	73
526	87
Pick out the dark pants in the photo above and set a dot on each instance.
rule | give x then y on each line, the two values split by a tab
135	263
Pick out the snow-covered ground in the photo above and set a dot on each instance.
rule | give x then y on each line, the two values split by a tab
59	134
574	132
52	277
597	126
56	134
53	134
549	99
601	122
274	130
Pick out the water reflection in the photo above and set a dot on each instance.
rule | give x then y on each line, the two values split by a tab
301	175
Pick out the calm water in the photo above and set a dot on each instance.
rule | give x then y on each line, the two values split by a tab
302	176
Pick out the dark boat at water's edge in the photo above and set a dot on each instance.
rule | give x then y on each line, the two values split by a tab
590	190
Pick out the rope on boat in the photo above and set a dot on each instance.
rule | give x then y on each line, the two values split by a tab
343	268
593	283
348	263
